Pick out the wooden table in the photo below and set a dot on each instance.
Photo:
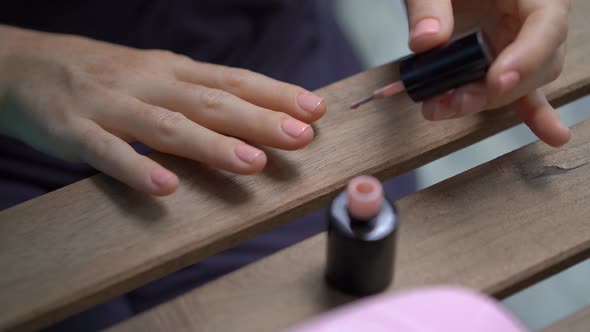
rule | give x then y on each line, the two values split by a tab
497	228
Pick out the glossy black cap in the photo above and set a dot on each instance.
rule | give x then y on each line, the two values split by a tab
463	60
360	254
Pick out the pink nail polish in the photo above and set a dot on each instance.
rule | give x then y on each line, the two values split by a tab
309	102
468	103
508	81
436	110
426	27
358	218
294	128
444	111
428	109
162	177
247	154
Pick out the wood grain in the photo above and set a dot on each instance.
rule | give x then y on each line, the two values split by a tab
578	322
497	228
93	240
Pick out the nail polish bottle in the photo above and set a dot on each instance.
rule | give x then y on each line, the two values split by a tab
362	228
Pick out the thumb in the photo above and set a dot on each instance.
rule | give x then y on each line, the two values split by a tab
431	23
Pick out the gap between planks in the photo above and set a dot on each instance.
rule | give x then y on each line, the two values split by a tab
497	228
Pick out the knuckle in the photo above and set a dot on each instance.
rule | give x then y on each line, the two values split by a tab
84	85
167	122
181	59
95	143
261	115
77	81
556	69
161	54
217	152
236	78
214	98
561	19
138	111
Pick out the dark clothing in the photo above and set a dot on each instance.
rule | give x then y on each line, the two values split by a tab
296	41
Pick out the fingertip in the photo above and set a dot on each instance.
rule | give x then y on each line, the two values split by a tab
296	134
428	109
312	106
427	34
320	110
250	160
439	108
469	99
505	81
560	137
543	120
164	181
306	138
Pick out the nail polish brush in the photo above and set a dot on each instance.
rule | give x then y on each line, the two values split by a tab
426	75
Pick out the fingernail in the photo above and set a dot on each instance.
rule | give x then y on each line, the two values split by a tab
508	81
437	110
247	153
445	96
425	27
309	102
162	177
443	111
294	128
428	109
468	102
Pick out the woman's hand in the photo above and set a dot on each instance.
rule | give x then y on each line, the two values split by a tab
529	38
83	100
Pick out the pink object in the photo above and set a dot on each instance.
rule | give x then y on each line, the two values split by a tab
294	128
426	27
390	90
247	153
309	102
439	309
386	91
364	197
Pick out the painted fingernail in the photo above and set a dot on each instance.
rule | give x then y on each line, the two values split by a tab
309	102
468	102
445	96
436	111
428	109
294	128
426	27
443	111
439	108
247	153
162	177
508	81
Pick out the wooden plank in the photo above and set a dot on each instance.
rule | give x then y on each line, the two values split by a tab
497	228
578	322
94	240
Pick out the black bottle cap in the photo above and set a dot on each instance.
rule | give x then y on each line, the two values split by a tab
463	60
360	254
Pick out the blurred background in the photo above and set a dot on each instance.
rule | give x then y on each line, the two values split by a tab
378	30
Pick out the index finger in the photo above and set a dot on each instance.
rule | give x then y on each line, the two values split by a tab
544	30
255	88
